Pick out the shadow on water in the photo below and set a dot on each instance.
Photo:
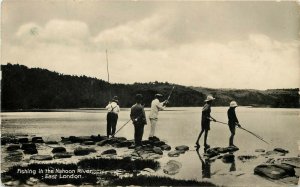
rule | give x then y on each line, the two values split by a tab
206	165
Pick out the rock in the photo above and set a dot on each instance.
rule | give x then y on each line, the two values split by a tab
13	147
51	142
97	138
41	157
62	155
228	158
59	150
88	143
281	150
173	154
80	139
31	151
259	150
126	143
28	146
154	156
109	151
37	140
149	170
79	151
274	171
103	142
212	152
67	142
232	149
23	140
221	150
14	156
172	167
182	148
293	161
158	143
245	158
273	153
165	147
157	150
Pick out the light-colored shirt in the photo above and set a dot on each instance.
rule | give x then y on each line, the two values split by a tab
155	107
113	107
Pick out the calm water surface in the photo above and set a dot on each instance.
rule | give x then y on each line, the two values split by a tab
176	126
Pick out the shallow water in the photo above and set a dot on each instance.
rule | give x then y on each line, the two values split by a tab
176	126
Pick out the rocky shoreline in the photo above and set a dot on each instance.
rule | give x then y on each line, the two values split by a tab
97	160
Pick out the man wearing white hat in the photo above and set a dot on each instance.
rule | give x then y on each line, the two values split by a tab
205	121
156	106
232	121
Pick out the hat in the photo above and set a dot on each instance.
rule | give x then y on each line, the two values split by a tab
209	98
233	104
115	99
138	97
158	95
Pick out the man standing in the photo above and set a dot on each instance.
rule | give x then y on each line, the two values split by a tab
205	121
112	116
138	117
156	106
232	121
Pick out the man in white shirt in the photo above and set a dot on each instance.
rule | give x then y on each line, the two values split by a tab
113	110
156	106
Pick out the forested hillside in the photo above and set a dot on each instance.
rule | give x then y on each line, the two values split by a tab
35	88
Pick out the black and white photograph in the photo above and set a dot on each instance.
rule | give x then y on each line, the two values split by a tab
150	93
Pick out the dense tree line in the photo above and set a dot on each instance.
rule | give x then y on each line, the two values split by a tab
35	88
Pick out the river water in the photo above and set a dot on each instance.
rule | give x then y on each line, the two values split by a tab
176	126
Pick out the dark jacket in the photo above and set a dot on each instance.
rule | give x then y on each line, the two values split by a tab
232	119
137	115
206	114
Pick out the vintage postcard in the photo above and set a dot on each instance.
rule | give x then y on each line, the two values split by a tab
150	93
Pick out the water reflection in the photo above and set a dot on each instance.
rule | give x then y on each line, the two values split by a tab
206	164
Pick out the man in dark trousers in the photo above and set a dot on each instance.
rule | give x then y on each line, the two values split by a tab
138	117
232	121
205	121
113	110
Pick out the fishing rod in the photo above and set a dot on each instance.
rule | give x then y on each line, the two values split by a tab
107	69
257	136
170	93
121	128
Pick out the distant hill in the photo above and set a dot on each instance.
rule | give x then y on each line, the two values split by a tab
35	88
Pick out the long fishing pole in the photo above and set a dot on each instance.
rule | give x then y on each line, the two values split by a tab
107	69
121	128
170	93
257	136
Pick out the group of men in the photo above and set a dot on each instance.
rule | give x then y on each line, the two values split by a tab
138	117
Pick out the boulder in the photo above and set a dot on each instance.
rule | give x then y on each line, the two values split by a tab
281	150
13	147
41	157
88	143
37	140
126	143
273	153
62	155
232	149
212	152
149	170
14	156
221	150
157	150
165	147
97	138
51	142
182	148
80	139
23	140
158	143
58	150
293	161
274	171
109	151
28	146
154	156
31	151
259	150
228	158
172	167
79	151
245	158
173	154
103	142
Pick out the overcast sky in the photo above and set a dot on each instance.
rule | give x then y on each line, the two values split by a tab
210	44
